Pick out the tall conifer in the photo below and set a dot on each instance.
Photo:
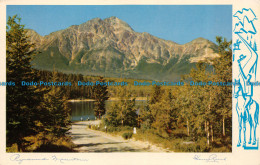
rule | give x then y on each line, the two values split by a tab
22	102
100	95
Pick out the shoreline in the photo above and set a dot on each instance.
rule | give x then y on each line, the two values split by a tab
110	99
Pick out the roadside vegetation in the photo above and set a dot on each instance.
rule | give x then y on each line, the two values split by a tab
180	118
37	117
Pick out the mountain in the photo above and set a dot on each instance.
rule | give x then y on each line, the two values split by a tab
110	47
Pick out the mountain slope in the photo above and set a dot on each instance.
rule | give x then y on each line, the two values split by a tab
110	47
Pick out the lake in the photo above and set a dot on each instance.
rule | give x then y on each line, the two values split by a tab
85	109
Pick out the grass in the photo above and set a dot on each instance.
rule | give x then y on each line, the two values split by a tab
177	141
127	135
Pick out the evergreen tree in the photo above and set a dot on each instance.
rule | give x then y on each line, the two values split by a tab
22	101
162	115
57	112
100	95
157	94
146	117
111	118
122	112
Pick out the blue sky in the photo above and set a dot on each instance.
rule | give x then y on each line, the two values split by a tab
179	23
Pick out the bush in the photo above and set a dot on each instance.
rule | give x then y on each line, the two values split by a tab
112	129
94	127
49	147
202	145
12	148
127	135
179	147
199	146
127	128
221	149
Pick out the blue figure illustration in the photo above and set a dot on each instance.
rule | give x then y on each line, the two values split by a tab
247	108
248	87
236	45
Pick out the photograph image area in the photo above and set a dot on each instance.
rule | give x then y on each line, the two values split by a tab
118	78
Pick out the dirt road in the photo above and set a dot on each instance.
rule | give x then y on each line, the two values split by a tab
88	140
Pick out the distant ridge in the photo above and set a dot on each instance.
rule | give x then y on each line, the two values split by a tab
110	47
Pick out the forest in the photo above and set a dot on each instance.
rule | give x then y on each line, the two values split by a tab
198	114
38	118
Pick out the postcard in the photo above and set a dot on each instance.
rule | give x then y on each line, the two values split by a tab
133	82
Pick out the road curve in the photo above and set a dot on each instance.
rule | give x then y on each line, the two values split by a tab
87	140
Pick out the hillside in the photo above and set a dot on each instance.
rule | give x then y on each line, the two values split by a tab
110	47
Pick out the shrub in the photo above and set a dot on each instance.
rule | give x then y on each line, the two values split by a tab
49	147
202	145
113	129
199	146
94	127
127	135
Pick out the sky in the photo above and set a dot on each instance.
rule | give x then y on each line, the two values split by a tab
178	23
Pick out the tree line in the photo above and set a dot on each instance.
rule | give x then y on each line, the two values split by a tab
43	112
74	91
204	111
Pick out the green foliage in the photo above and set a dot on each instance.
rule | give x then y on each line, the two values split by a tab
111	117
127	135
33	112
171	71
156	95
53	144
148	68
200	146
100	95
205	111
146	118
160	113
173	115
78	57
122	112
181	67
22	101
50	58
223	70
113	129
57	117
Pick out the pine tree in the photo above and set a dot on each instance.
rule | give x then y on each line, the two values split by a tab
22	101
122	112
57	119
100	95
156	95
127	112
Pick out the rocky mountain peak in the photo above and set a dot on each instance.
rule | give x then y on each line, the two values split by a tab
95	20
199	40
111	46
33	35
118	24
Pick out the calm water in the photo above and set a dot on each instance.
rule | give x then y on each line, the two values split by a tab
85	109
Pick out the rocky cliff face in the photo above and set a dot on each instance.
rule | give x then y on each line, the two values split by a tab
110	47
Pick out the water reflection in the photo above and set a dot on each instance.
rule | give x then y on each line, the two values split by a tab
84	110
